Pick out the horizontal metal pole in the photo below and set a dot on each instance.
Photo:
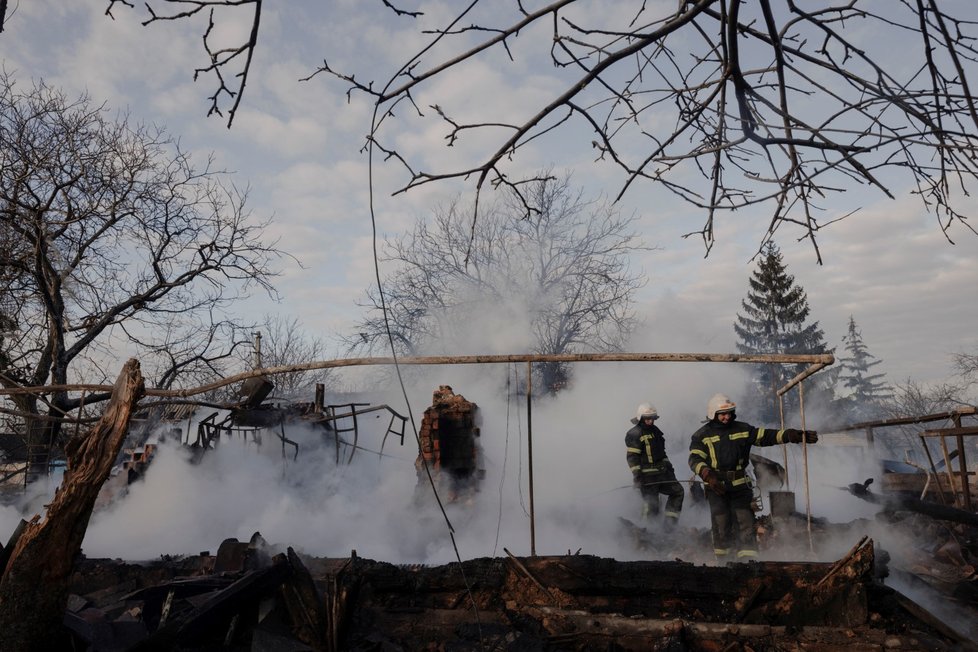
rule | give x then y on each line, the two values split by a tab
823	359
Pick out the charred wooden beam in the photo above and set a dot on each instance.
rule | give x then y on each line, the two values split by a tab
303	604
570	629
213	617
339	590
11	544
926	507
837	599
494	603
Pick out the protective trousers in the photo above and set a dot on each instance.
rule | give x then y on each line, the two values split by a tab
732	522
664	484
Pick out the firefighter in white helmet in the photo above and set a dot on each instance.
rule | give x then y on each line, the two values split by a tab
719	453
652	472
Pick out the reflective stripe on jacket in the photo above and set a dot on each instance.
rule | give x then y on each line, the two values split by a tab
645	450
726	447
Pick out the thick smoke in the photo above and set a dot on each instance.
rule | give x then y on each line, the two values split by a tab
379	506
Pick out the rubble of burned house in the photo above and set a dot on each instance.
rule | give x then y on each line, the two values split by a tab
259	596
254	416
254	419
933	501
252	596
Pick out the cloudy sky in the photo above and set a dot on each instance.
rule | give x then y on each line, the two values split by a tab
297	145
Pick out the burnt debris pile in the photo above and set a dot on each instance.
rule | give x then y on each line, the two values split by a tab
249	597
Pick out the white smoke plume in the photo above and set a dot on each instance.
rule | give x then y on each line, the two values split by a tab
378	506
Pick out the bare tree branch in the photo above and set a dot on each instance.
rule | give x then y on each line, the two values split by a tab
222	58
564	267
726	104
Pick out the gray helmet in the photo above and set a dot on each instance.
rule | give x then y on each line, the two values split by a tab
719	403
645	410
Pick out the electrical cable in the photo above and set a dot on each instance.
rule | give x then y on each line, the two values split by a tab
371	145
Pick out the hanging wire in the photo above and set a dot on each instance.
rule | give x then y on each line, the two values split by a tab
371	145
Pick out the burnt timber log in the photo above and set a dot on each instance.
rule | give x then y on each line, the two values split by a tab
581	603
33	588
910	503
593	603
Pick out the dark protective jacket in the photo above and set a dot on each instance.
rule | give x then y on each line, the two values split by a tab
726	448
645	451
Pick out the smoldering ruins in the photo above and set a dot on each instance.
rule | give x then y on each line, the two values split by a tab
900	577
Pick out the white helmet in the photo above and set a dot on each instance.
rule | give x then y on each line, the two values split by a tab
719	403
645	410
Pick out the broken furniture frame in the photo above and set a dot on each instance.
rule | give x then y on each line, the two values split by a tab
960	490
333	417
209	432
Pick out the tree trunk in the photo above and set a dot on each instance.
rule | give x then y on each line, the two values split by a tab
33	588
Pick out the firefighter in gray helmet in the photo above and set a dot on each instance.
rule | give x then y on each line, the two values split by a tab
719	453
652	472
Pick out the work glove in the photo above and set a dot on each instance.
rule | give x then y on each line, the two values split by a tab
713	481
795	436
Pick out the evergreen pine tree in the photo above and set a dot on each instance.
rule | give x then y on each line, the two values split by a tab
774	320
866	392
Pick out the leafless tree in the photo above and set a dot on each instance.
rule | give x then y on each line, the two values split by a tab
966	366
728	104
912	399
283	342
113	240
565	269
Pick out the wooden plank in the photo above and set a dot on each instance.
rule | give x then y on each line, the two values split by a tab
947	470
906	421
963	469
933	468
910	483
943	432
